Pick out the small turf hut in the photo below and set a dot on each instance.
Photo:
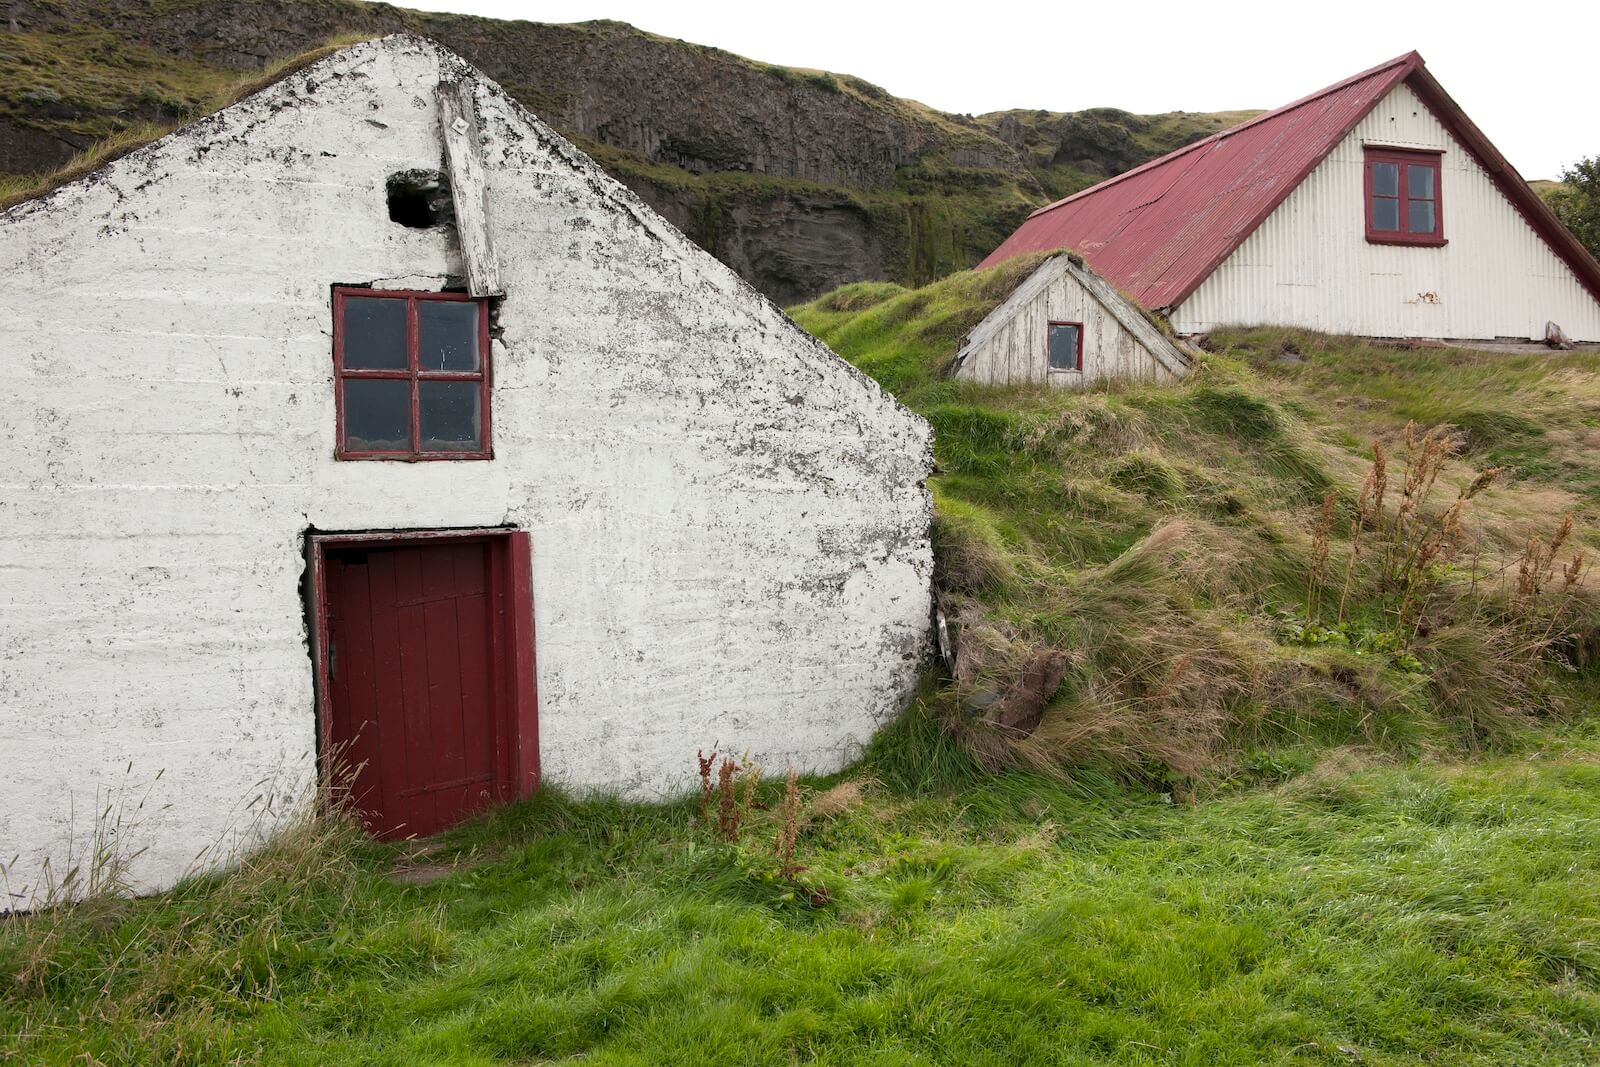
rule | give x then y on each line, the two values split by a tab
1065	325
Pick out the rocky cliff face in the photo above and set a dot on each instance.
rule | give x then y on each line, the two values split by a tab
788	245
799	180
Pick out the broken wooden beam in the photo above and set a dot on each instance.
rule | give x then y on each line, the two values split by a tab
463	151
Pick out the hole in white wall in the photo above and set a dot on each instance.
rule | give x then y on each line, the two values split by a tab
420	199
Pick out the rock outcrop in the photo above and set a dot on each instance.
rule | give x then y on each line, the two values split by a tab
799	180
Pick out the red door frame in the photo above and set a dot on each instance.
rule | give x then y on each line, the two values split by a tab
511	591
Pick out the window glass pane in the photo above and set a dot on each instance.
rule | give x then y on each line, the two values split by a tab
374	333
377	415
447	335
1419	182
1063	347
1419	216
451	421
1386	179
1385	214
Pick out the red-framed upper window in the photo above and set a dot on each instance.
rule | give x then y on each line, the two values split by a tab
1065	345
411	375
1403	201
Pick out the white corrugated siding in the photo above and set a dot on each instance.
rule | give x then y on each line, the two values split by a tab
1310	264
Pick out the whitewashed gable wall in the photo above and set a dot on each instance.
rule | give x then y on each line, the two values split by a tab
728	521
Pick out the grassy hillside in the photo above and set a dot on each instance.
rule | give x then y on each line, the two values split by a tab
1209	569
1069	151
1280	810
120	96
798	179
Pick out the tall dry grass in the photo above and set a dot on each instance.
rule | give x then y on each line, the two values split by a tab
1485	629
220	931
1155	674
1150	665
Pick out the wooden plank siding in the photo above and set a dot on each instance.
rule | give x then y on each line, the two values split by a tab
458	125
1009	347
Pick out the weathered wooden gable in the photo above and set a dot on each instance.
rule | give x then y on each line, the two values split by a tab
1010	346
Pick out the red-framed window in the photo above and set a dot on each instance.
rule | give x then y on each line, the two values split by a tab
1404	206
411	375
1065	346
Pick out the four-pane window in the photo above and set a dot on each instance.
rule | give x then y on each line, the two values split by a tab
1403	197
1066	346
412	375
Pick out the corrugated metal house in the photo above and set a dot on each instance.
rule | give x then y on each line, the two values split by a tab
368	415
1374	207
1064	326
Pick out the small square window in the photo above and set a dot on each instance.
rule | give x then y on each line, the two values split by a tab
1402	189
1066	346
412	375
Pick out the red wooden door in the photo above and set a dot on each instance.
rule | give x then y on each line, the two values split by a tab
416	668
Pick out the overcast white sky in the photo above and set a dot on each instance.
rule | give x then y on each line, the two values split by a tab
1528	74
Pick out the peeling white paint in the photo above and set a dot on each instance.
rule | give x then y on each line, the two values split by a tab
729	524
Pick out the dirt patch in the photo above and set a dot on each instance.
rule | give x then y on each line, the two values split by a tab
1336	765
836	801
422	873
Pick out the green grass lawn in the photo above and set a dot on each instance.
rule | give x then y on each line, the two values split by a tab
1346	910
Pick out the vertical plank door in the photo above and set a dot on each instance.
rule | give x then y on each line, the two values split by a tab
412	674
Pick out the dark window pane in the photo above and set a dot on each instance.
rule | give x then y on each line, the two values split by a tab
1063	347
447	335
1419	216
451	421
377	415
1419	182
1386	179
374	333
1385	214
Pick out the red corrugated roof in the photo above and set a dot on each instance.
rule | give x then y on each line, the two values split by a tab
1159	230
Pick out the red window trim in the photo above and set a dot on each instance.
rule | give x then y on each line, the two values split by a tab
1431	157
511	568
1063	370
412	373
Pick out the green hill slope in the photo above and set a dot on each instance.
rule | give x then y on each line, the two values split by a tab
1069	151
1202	567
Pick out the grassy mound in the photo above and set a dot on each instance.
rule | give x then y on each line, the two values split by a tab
1156	581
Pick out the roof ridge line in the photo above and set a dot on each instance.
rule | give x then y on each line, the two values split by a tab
1411	61
1126	311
